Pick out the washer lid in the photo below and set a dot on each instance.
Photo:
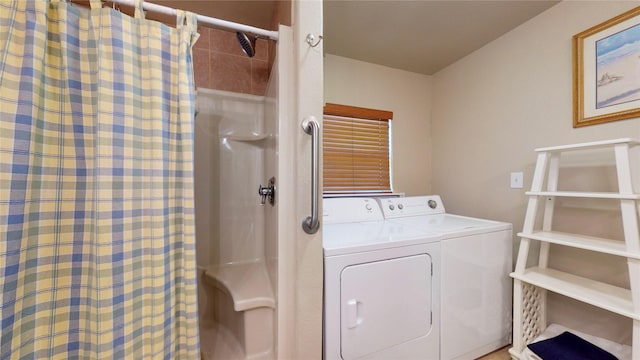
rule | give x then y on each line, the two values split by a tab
449	224
338	239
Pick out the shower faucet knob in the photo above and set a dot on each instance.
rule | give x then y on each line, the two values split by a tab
264	192
268	192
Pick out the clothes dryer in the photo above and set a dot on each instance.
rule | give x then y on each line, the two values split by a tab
476	259
381	282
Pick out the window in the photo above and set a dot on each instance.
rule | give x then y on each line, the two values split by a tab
356	150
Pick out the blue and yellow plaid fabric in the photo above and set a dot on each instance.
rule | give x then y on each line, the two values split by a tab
97	237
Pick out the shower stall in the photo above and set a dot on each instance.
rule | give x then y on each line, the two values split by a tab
237	202
118	231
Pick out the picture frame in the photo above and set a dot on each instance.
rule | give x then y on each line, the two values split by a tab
606	71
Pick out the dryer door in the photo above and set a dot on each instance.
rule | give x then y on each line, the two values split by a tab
385	304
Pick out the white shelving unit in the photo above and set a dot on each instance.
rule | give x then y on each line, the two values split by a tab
531	284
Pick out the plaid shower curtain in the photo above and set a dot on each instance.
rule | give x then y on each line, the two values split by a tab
97	244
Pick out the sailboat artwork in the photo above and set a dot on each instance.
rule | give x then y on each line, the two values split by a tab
608	79
618	68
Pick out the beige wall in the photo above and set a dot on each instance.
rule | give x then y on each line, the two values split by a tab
492	108
407	94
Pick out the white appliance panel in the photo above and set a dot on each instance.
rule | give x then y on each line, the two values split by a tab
424	348
411	206
380	298
350	210
476	301
347	238
475	287
449	225
385	303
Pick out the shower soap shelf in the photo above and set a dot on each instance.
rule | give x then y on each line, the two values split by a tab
532	283
246	138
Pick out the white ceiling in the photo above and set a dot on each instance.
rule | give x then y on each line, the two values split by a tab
420	36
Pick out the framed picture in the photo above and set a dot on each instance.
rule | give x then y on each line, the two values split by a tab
606	71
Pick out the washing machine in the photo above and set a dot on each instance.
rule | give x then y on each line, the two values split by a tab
476	259
381	283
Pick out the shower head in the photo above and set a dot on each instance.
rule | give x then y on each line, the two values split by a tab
247	43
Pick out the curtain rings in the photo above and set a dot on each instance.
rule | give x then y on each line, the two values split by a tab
139	9
95	4
181	18
186	19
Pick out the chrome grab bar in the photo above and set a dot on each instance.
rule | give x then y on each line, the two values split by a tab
310	126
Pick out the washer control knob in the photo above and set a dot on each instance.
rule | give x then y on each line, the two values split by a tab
400	206
367	206
391	207
432	204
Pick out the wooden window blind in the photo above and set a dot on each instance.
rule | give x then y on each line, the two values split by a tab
356	150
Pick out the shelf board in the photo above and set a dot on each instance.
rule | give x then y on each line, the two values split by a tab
605	296
593	195
246	138
591	243
589	145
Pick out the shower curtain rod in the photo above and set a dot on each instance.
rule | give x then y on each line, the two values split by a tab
164	10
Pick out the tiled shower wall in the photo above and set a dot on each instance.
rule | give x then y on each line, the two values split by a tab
219	63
